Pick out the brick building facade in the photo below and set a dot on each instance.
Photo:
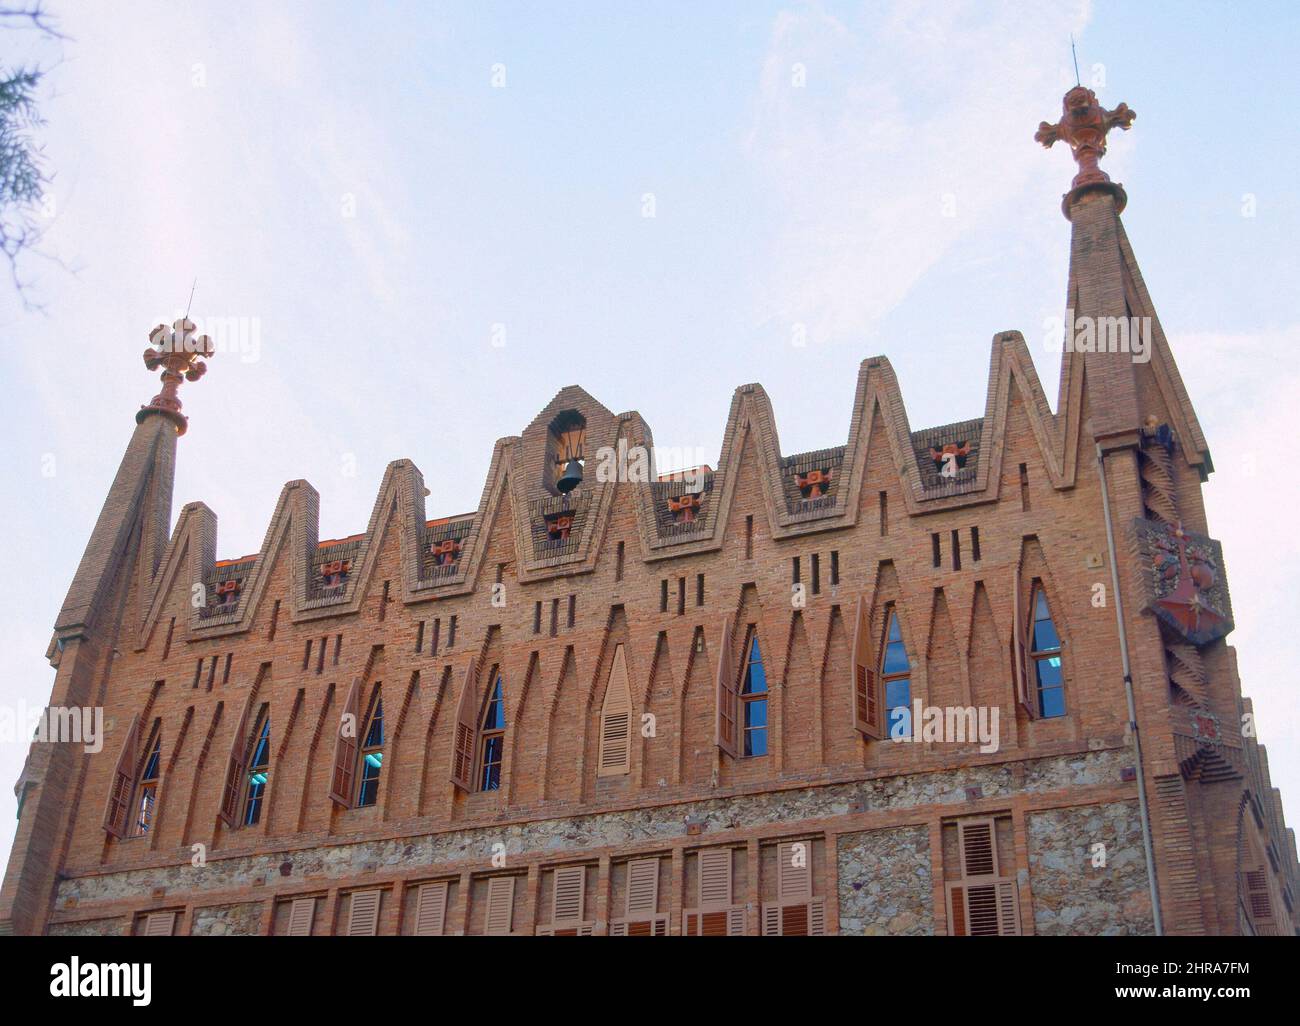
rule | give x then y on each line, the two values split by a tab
671	705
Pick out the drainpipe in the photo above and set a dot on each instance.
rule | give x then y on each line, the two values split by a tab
1128	694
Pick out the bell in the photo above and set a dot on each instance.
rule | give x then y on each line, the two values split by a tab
571	478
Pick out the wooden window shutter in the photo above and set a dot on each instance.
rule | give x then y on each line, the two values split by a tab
794	881
363	913
715	878
301	914
868	703
642	887
159	924
616	721
345	750
1025	697
431	910
500	904
466	738
235	769
981	903
728	700
122	785
567	899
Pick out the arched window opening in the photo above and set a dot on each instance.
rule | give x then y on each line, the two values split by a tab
259	772
753	699
372	755
493	739
1045	656
896	672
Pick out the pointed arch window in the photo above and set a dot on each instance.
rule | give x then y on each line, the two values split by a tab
147	794
753	699
896	672
259	772
1045	657
493	739
372	754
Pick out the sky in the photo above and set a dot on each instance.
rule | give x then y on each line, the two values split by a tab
417	222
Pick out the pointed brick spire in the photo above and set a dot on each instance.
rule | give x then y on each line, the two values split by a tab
176	350
1083	125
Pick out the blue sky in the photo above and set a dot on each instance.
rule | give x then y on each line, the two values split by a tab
353	186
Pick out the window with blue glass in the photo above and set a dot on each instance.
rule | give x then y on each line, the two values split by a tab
1045	657
896	672
259	772
372	755
493	739
753	699
148	792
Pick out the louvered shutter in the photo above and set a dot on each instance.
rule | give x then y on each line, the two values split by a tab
1258	900
235	769
301	914
728	700
567	900
431	910
466	737
122	786
1019	664
868	703
159	924
715	878
982	904
794	881
642	887
616	721
344	777
500	904
363	914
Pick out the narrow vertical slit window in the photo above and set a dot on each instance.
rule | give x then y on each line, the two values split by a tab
537	617
451	633
618	563
896	672
306	655
975	544
816	573
419	637
493	738
795	573
338	647
681	596
437	629
663	595
320	653
573	609
1045	654
259	772
749	537
212	672
936	551
1024	487
555	617
167	645
699	589
835	567
372	754
753	699
383	603
275	619
956	550
225	672
884	514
